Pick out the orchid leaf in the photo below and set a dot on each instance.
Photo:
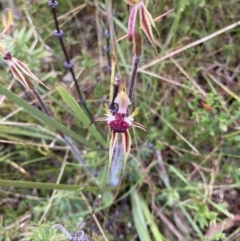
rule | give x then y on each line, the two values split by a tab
139	219
150	221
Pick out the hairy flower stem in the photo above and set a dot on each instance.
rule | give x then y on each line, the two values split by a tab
58	33
137	57
133	77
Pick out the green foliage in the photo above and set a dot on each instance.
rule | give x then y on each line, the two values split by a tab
21	44
189	104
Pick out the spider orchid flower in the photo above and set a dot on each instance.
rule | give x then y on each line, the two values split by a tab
120	122
146	20
20	71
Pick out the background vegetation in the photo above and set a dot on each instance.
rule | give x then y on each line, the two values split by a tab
182	177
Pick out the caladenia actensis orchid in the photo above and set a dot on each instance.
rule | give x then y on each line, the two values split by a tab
20	71
146	20
28	79
119	122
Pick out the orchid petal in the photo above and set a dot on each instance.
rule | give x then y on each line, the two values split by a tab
135	112
140	126
123	102
150	18
24	68
19	76
113	141
117	164
132	22
114	138
107	109
127	142
100	119
146	22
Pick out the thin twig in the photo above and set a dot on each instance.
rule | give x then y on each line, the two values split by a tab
168	223
94	216
188	46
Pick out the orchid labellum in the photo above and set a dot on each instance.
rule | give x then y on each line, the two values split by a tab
146	20
120	122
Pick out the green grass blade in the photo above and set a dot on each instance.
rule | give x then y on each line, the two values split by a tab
139	220
79	113
43	117
38	185
150	221
191	221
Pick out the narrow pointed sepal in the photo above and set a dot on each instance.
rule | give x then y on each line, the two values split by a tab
19	76
132	22
146	22
127	142
140	126
100	119
26	71
113	141
114	138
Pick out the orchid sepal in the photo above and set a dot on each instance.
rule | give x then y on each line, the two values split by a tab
146	20
132	22
127	142
113	140
20	71
139	126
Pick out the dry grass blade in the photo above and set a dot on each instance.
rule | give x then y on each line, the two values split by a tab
188	46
